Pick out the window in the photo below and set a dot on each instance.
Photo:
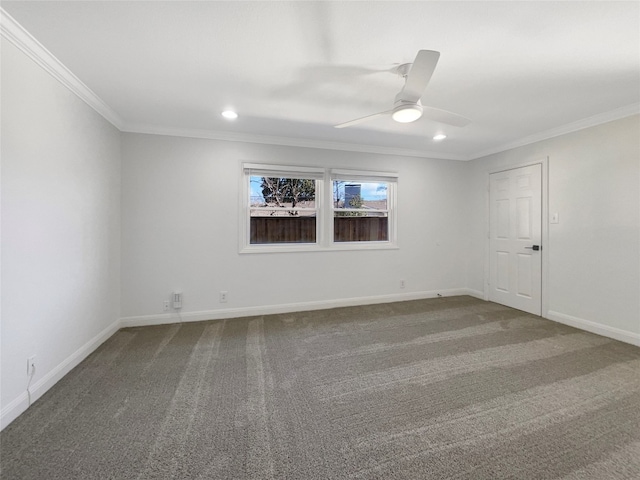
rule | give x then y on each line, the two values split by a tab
303	208
360	210
282	210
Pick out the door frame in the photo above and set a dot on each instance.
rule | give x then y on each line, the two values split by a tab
544	276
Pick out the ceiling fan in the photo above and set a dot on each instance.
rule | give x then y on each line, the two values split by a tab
407	107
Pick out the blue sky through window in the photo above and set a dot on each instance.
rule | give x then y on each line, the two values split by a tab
368	190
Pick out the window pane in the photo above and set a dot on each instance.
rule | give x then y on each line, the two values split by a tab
282	192
360	211
355	194
286	210
361	229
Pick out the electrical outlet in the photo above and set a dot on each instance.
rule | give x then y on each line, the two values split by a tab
223	296
177	300
165	306
31	366
402	285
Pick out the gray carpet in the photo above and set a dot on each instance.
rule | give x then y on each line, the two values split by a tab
446	388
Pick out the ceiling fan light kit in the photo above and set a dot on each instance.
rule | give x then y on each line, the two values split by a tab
407	113
229	114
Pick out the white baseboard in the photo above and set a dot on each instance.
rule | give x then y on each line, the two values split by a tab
594	327
160	319
16	407
12	410
474	293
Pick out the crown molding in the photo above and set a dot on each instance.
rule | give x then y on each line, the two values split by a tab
592	121
23	40
286	141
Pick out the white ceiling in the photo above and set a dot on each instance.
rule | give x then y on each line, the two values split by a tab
521	71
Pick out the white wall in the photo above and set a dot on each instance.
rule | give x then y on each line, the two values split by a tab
180	231
594	252
60	229
66	284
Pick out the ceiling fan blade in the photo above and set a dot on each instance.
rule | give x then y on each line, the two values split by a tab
443	116
419	75
335	73
362	119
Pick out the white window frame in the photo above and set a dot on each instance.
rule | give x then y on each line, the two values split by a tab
266	170
391	179
324	207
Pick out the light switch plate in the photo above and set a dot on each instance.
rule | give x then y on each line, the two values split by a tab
555	218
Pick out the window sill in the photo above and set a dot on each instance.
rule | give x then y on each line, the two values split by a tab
335	247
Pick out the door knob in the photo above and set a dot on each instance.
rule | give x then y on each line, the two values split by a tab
535	247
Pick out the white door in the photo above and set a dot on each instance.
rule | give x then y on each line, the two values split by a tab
515	261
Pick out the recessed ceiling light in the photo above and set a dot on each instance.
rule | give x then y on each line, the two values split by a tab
230	114
440	136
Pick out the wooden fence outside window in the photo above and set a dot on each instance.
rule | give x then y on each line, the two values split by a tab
266	230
